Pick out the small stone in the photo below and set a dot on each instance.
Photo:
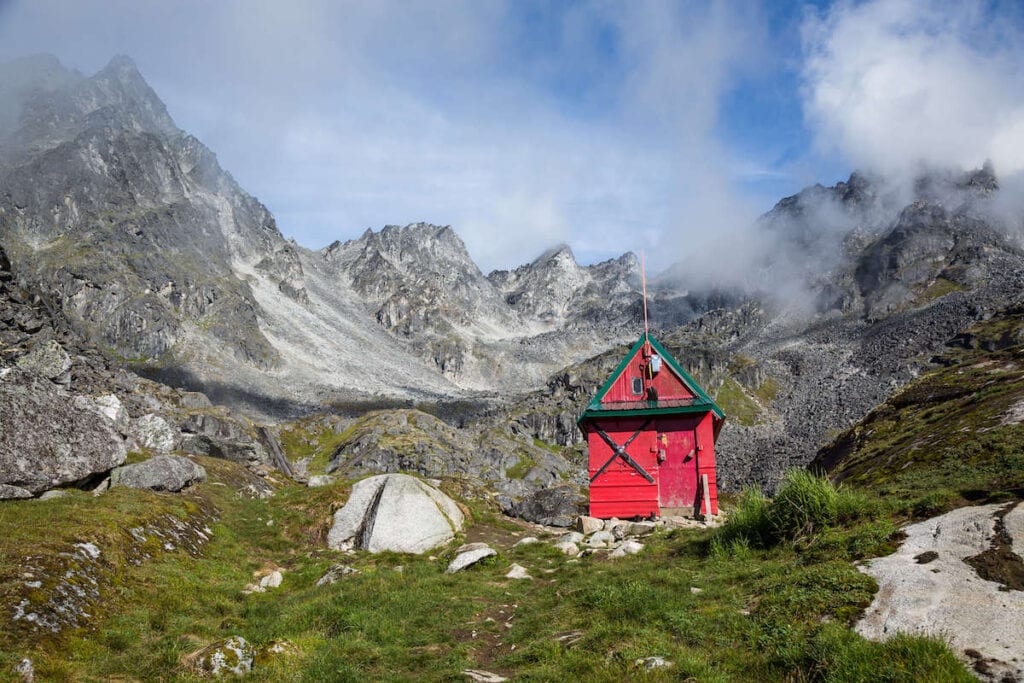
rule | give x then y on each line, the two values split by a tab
601	539
89	549
517	571
256	492
26	672
159	473
233	655
569	638
47	360
567	548
571	537
470	557
650	663
319	480
610	524
53	493
627	548
9	492
483	676
335	573
194	400
465	548
529	540
275	649
695	590
271	580
641	528
588	525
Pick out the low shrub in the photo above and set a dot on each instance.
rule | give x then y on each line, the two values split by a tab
805	505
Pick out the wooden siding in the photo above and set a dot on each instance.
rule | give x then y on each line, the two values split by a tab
668	385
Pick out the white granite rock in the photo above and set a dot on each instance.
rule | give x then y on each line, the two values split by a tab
470	557
395	512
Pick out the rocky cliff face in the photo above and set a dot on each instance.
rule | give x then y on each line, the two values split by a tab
131	224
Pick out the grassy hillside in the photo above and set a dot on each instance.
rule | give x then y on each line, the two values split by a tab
718	606
953	436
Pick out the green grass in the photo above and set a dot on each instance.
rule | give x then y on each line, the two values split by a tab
774	613
770	596
309	438
519	470
737	404
541	443
939	288
768	390
805	506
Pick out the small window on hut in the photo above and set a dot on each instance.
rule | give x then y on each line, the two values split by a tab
638	386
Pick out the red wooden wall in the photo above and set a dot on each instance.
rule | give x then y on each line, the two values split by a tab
667	384
620	490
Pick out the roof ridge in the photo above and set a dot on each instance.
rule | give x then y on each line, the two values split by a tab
701	398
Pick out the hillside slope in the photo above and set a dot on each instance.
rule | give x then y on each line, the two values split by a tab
954	435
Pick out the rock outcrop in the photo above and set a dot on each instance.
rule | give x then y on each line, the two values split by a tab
395	512
50	439
486	458
929	587
557	506
469	555
231	656
160	473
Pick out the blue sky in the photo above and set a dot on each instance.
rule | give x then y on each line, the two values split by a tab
611	126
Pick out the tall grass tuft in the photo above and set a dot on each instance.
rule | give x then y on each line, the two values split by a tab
805	505
748	524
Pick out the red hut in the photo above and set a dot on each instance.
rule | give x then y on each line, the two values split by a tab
651	433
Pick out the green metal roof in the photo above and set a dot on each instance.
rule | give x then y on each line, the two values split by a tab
701	403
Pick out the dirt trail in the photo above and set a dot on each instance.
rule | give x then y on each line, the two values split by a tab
956	576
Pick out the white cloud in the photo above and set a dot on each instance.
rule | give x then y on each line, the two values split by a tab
343	116
892	84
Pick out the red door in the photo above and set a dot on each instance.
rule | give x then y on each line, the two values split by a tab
677	476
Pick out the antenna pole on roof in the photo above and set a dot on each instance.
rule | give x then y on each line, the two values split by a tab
643	280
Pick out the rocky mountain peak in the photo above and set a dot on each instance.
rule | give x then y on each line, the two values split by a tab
119	90
45	104
379	264
416	240
559	255
146	232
